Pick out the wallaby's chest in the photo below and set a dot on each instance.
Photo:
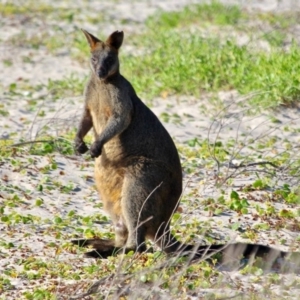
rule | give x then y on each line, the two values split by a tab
100	106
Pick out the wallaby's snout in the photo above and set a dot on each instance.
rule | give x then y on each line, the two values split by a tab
102	70
107	65
102	73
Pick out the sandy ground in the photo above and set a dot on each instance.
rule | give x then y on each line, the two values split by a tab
198	119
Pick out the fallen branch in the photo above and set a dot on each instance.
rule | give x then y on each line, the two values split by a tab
30	142
262	163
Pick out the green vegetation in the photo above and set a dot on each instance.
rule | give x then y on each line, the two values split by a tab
195	50
181	57
214	13
38	9
192	65
29	7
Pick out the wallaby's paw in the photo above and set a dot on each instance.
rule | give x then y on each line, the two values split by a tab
96	149
81	147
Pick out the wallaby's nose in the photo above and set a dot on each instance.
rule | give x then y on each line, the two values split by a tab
102	72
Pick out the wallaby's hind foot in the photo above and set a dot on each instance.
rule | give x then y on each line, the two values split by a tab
101	254
102	248
95	243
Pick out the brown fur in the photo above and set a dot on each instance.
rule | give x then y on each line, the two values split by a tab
137	167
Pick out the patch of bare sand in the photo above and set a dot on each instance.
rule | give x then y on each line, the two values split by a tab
189	118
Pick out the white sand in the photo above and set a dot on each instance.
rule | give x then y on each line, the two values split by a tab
199	118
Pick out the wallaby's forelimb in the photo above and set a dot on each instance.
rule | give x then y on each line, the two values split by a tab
85	125
115	125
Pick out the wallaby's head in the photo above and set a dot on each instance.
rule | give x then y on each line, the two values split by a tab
104	55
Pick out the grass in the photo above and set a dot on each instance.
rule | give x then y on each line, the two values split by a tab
193	65
34	9
181	59
214	13
8	9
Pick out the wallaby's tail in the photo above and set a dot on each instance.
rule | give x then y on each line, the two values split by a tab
234	250
234	253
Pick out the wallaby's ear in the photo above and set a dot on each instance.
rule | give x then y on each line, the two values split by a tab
115	39
91	39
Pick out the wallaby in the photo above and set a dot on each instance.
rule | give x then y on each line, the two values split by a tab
137	168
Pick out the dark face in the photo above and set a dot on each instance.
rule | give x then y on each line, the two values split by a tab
104	61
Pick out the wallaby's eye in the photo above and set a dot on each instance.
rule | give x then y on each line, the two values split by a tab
94	60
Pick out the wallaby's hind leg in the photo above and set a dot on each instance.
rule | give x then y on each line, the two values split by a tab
142	203
147	203
109	184
130	228
134	210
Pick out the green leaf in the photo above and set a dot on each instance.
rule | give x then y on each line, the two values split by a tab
58	220
4	219
39	202
244	210
235	226
234	195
